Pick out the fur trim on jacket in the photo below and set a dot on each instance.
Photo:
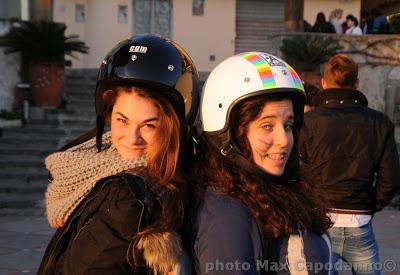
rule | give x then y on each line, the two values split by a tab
161	251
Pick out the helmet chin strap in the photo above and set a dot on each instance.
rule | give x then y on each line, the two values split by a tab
231	151
99	132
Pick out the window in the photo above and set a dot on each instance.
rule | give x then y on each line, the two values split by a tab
80	14
122	14
198	7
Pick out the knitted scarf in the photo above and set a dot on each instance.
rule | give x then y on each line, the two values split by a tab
76	171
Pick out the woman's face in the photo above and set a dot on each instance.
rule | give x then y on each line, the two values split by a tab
350	23
134	125
270	136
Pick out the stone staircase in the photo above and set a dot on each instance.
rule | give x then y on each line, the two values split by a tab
23	177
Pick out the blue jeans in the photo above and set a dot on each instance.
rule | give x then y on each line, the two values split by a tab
356	246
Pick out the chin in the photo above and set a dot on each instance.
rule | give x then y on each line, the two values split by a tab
131	156
275	172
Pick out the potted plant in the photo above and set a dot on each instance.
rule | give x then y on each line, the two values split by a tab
307	52
10	119
43	46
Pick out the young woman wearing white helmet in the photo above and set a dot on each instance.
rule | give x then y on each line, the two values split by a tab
119	200
255	215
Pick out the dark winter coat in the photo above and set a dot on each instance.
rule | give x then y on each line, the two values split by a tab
344	145
99	234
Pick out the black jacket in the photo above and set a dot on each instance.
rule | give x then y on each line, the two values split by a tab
96	237
350	150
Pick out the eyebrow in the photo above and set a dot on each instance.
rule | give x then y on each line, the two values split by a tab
145	121
272	116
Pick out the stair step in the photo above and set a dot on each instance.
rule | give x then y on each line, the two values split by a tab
31	131
76	117
7	150
26	188
25	142
28	135
25	171
80	96
17	159
88	124
80	102
21	200
15	181
42	124
37	211
77	83
78	106
21	166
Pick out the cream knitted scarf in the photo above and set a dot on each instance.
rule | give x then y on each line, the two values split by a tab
75	173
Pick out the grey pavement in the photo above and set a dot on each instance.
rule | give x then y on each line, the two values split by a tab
23	240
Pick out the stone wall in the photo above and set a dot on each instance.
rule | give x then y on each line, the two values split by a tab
9	73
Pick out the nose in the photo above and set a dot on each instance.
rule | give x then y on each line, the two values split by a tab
282	137
134	136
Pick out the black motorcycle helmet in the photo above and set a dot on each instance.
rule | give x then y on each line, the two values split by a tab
153	62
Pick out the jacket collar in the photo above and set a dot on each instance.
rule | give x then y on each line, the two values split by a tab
341	96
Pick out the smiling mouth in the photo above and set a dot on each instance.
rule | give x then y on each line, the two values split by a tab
280	156
135	149
275	156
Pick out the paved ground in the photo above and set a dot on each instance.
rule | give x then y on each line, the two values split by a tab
23	240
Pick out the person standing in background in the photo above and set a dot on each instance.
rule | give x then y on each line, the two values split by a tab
350	151
352	23
366	22
321	25
380	24
335	18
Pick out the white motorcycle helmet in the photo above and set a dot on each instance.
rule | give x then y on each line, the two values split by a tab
238	78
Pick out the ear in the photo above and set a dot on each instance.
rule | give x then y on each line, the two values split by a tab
357	83
323	83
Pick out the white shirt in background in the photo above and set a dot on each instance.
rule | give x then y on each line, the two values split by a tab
349	220
354	31
337	25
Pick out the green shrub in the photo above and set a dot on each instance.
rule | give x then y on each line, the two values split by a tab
307	52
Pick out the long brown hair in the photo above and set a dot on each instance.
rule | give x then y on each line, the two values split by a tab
163	159
279	208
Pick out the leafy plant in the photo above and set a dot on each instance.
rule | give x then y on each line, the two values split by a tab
42	41
307	52
11	115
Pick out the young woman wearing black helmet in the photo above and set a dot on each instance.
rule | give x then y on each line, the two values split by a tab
255	216
119	199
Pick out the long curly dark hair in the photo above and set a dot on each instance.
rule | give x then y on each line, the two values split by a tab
279	208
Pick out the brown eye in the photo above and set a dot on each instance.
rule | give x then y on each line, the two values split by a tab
149	126
121	120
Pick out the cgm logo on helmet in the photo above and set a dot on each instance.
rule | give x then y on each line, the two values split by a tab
138	49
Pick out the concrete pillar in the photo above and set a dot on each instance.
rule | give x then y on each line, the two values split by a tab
40	10
294	11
